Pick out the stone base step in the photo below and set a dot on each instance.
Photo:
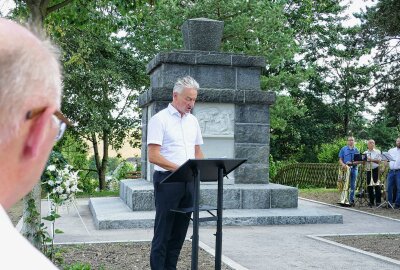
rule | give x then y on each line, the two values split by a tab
113	213
138	195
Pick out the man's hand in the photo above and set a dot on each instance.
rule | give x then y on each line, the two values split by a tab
156	158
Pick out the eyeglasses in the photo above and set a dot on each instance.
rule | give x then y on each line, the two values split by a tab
58	117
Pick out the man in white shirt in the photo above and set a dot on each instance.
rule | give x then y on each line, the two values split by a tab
30	121
394	175
174	136
372	168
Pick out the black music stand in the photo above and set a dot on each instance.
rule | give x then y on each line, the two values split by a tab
205	170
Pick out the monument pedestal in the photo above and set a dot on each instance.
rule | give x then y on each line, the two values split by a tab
114	212
138	195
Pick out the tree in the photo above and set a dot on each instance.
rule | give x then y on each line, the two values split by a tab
102	77
38	10
381	25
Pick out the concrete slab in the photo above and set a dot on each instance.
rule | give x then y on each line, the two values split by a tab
113	213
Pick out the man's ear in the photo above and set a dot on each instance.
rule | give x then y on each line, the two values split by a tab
36	134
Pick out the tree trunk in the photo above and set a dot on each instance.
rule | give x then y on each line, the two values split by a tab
38	9
32	217
97	160
104	161
31	214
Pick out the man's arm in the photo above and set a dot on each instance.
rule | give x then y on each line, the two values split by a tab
344	165
156	158
197	152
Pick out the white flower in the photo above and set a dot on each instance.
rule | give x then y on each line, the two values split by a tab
51	168
50	183
59	190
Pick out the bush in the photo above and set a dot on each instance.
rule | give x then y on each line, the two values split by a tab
329	152
112	164
118	174
88	185
122	169
275	166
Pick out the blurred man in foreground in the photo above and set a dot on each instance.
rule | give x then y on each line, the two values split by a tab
30	123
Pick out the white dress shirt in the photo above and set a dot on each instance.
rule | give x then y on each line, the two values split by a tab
395	153
16	252
375	155
177	135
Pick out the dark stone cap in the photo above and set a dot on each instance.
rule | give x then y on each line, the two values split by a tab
205	58
212	95
202	34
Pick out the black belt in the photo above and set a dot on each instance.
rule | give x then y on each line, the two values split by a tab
163	172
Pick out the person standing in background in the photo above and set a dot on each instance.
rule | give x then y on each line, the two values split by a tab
393	178
346	159
372	169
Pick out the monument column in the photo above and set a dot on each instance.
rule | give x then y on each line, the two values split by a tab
232	110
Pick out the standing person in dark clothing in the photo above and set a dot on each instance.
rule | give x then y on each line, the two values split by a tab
393	178
174	136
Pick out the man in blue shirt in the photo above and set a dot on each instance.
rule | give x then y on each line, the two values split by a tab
346	159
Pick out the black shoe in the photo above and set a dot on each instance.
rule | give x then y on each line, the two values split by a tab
370	205
352	204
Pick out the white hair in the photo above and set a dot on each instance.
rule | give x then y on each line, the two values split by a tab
27	75
185	82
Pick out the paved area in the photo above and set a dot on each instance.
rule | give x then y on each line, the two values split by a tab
113	213
256	247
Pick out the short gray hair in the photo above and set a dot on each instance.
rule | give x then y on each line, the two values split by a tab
21	70
185	82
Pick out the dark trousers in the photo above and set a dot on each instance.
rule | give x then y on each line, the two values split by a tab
169	227
392	185
377	195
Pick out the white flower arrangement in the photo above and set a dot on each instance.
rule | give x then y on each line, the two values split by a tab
61	184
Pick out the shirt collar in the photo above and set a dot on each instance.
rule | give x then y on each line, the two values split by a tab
173	111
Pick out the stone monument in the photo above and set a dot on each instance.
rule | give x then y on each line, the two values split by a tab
232	110
233	113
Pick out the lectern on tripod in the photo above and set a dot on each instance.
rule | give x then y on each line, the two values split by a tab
205	170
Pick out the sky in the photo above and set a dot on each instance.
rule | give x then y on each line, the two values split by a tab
5	6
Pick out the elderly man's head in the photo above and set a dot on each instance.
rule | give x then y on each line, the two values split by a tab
30	96
185	94
371	144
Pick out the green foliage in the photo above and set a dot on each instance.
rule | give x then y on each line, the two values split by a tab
112	164
285	136
122	169
329	152
381	28
275	166
103	193
251	27
74	150
88	185
78	266
382	132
